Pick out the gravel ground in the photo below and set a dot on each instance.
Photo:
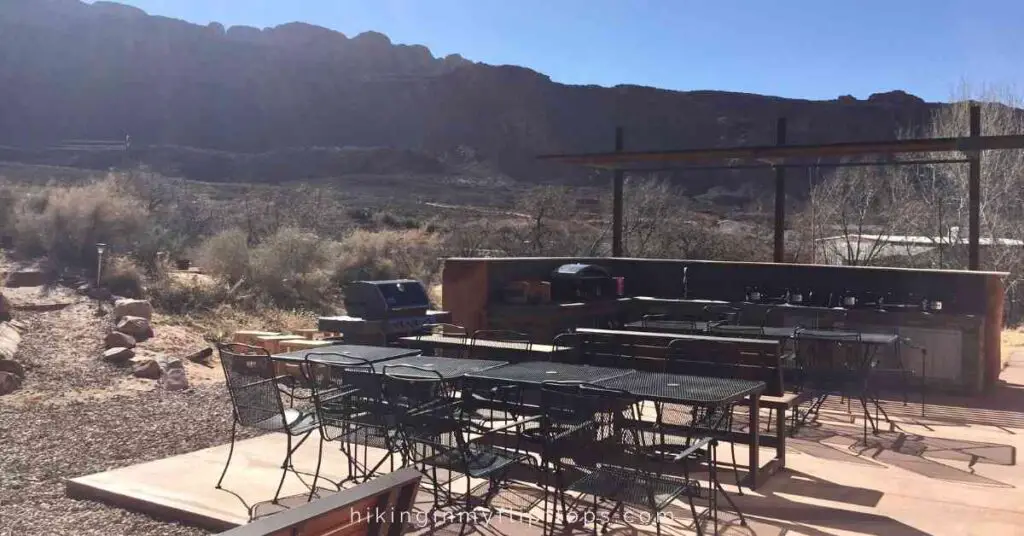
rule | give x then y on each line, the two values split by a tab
73	417
44	445
61	349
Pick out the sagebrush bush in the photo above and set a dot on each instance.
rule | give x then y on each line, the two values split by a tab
388	255
182	294
122	277
226	255
292	268
64	224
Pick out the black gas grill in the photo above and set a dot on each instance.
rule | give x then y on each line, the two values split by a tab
380	300
379	311
581	283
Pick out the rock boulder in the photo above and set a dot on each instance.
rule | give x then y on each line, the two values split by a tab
9	340
9	383
6	310
7	365
146	368
202	356
116	339
175	380
135	326
171	363
128	307
118	356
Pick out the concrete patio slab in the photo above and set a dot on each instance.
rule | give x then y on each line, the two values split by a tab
952	471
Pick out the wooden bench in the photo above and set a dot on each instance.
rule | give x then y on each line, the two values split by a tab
377	508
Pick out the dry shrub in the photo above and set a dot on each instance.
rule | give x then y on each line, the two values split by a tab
291	268
179	294
221	322
388	255
64	224
122	277
8	206
226	254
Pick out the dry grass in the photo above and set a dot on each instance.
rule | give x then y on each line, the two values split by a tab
221	323
1012	341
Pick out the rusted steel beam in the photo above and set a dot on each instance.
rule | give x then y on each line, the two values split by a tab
778	154
974	195
780	196
617	181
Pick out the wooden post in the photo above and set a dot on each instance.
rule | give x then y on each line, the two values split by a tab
617	181
780	196
974	195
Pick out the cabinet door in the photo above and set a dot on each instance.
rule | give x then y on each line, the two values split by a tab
945	352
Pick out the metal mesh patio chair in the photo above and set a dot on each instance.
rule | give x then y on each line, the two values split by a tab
347	413
519	344
674	323
594	445
448	330
571	340
256	403
721	314
837	363
437	435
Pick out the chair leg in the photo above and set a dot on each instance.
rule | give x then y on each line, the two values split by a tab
231	451
736	467
691	484
316	474
284	469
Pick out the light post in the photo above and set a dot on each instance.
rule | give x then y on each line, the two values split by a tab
100	248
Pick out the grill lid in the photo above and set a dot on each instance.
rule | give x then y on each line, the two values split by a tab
377	299
578	270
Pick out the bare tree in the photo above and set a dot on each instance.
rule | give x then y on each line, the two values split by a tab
856	213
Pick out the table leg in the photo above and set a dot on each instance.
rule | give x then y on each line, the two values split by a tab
781	433
755	439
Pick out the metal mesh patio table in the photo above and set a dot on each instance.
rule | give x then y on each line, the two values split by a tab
684	389
669	326
447	367
371	354
537	372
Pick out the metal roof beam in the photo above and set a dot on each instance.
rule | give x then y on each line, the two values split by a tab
779	154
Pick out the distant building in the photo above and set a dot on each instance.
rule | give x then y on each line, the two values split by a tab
875	248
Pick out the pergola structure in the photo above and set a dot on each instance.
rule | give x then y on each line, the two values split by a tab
782	156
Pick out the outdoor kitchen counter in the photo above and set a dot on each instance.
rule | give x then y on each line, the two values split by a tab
544	321
954	342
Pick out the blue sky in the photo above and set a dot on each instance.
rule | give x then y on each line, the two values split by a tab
816	49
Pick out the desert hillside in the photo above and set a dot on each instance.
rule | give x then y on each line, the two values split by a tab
190	95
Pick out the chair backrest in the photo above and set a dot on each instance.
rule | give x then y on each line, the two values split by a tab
412	387
350	512
746	359
441	328
519	343
486	399
581	420
818	349
325	370
722	313
251	382
422	405
570	340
